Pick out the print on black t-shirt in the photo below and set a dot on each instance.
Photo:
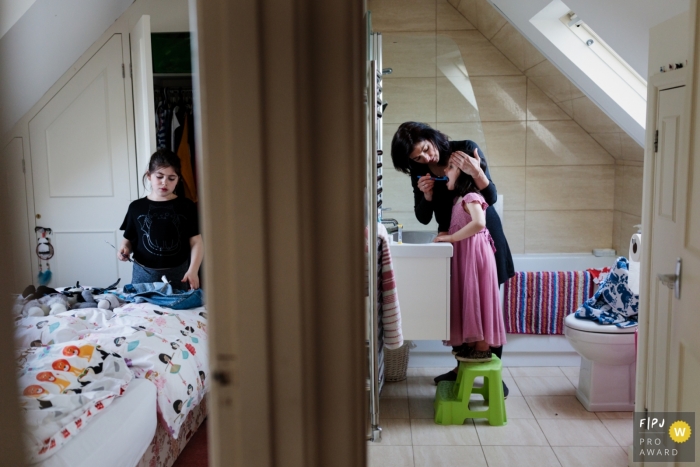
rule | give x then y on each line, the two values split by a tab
161	230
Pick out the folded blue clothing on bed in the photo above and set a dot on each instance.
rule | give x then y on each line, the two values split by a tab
614	302
162	294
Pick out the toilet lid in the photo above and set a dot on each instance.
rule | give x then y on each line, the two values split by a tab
586	325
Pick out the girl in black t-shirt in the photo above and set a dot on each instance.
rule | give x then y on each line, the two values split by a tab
162	229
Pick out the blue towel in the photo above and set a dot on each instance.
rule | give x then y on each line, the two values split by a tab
161	294
614	302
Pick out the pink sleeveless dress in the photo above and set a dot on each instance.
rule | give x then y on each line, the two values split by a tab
475	310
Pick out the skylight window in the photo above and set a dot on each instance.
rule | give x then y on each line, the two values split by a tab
586	51
605	53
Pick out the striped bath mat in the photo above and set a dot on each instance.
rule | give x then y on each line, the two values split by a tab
538	302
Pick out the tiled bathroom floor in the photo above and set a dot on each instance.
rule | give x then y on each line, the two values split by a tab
547	426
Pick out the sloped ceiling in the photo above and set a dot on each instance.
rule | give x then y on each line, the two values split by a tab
41	46
623	24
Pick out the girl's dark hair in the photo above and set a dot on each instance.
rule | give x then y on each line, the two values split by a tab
164	158
465	184
407	136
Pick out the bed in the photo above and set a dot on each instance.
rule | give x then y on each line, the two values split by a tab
122	387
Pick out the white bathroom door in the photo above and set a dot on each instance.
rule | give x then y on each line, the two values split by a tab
80	170
13	190
675	353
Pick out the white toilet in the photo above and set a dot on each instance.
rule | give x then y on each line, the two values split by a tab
608	364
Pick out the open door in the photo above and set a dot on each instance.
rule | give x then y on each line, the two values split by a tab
144	109
81	173
13	189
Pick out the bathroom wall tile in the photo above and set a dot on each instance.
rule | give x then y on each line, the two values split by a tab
473	131
567	107
506	143
410	99
570	432
468	9
479	56
510	182
510	42
516	47
402	15
395	432
563	143
592	118
397	194
628	189
552	82
501	98
567	232
518	432
542	107
455	101
586	187
514	229
588	456
621	430
449	19
522	456
610	142
516	407
389	456
427	433
490	20
409	54
617	232
631	150
448	456
558	407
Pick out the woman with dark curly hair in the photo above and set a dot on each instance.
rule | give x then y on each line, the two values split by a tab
424	153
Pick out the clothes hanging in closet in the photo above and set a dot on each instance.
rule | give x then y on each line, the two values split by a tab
175	131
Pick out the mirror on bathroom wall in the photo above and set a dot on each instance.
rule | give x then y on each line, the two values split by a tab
430	84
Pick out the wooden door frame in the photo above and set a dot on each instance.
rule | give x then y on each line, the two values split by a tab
281	170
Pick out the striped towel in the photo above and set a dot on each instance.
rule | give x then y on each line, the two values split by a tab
538	302
391	312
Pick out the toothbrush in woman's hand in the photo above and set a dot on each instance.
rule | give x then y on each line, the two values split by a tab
432	178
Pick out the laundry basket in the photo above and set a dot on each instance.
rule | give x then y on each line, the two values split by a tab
396	362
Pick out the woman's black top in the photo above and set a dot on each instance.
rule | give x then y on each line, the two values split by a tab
160	231
443	200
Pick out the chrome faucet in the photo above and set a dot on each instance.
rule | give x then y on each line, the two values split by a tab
393	227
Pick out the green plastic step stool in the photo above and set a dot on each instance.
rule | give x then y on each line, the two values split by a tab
452	397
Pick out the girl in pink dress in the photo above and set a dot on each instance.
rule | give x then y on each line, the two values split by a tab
476	321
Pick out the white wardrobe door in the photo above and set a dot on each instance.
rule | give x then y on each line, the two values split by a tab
13	189
80	170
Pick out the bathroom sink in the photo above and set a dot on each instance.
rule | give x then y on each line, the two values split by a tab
415	236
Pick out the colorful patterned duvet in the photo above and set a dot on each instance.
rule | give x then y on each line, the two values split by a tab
72	365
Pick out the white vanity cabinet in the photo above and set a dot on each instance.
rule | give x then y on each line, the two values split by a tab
422	274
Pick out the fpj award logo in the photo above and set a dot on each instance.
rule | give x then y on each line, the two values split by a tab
664	437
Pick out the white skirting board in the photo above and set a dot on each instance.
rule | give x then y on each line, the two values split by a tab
521	350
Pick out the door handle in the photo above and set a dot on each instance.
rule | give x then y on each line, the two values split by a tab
673	281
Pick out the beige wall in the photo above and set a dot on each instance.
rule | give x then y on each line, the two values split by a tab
569	175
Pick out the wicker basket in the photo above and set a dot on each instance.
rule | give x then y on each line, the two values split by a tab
396	362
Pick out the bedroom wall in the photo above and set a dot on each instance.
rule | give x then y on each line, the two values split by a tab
553	153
